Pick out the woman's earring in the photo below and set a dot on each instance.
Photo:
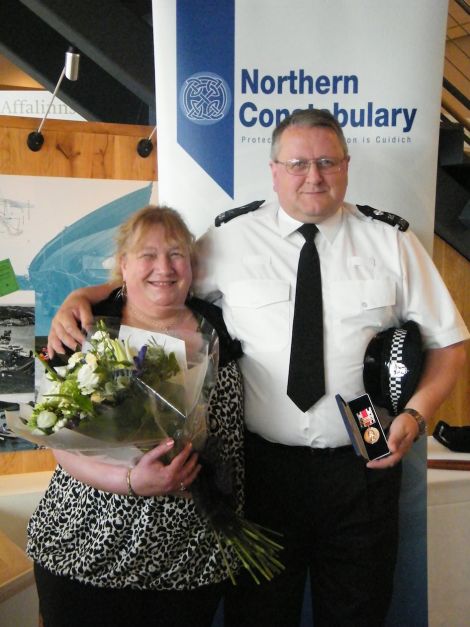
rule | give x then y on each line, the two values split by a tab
122	293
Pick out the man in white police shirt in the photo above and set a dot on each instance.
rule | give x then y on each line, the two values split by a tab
338	515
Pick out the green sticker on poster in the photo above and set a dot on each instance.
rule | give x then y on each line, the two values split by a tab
8	282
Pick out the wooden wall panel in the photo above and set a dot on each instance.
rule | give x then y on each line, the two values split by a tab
76	149
455	270
26	461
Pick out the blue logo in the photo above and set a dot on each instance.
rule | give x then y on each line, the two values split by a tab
205	98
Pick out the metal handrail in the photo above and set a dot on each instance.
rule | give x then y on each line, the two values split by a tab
462	98
451	93
451	109
464	4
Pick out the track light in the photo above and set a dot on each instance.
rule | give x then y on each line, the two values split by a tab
145	146
72	59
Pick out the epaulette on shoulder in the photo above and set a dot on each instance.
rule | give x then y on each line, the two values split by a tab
384	216
226	216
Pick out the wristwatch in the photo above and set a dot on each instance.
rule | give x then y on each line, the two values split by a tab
419	420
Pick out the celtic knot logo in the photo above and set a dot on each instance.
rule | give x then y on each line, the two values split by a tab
205	98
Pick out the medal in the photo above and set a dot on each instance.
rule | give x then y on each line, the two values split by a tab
371	435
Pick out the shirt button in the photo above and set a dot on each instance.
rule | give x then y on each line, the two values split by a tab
363	305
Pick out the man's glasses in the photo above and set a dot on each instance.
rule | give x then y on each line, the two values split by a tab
301	167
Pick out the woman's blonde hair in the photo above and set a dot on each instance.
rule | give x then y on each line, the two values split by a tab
134	228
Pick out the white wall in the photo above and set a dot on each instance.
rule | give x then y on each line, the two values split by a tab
19	496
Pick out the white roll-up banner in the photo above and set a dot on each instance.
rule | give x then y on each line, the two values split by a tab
227	71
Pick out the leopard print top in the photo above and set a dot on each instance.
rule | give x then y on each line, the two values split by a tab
109	540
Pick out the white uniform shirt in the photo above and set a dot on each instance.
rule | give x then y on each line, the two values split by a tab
373	277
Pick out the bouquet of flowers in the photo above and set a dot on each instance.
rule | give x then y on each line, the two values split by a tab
124	393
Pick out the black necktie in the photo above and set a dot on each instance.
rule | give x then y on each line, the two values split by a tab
306	383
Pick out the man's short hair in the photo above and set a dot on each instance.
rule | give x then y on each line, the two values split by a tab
308	118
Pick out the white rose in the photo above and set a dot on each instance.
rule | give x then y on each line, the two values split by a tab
46	419
74	359
61	371
59	425
100	336
101	348
91	360
87	380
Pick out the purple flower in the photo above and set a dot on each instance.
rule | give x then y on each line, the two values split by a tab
139	360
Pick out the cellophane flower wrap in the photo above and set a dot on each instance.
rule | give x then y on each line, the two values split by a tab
128	390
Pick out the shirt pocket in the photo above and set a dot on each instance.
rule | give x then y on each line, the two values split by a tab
359	306
260	313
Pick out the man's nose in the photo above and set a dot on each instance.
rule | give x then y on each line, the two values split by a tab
314	173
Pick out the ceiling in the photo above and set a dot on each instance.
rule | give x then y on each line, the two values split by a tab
115	40
458	22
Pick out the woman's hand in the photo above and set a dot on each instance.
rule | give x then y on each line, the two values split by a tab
151	477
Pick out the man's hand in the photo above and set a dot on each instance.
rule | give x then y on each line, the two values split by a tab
403	432
441	370
74	313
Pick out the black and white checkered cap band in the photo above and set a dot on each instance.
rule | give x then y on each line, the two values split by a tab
397	368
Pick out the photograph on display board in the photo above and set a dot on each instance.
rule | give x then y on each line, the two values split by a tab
16	349
17	363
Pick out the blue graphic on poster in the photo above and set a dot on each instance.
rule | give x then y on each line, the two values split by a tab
53	254
205	78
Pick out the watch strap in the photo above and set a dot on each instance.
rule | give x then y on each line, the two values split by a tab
420	421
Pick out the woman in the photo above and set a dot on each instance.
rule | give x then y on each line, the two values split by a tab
117	546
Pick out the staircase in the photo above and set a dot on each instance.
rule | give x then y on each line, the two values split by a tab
452	219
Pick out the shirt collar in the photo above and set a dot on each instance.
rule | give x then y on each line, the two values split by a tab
328	228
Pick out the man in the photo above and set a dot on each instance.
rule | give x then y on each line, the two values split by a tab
338	516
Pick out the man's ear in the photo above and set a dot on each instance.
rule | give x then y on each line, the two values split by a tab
272	165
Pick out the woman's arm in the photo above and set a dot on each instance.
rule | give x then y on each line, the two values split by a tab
149	477
74	312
